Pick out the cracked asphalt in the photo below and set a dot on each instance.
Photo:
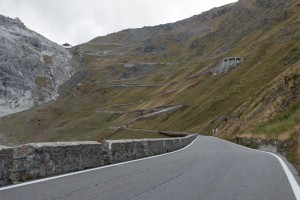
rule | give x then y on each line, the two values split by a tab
210	169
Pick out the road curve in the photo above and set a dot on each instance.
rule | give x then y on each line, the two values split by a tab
209	169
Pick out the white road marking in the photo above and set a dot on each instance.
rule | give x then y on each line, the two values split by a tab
93	169
290	176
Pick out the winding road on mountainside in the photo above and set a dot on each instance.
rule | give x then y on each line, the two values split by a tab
207	169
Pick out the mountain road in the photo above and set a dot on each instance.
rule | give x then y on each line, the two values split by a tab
208	169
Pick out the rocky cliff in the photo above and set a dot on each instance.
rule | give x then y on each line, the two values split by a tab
31	67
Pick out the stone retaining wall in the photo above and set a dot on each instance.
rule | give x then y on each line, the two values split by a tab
6	164
31	161
47	159
226	65
266	145
124	150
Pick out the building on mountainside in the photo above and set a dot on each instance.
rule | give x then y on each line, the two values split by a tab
67	45
226	65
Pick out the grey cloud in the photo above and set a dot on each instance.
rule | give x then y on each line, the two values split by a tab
77	21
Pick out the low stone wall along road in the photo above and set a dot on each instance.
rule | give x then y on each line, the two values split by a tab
39	160
208	169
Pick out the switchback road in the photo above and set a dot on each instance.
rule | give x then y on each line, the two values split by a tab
209	169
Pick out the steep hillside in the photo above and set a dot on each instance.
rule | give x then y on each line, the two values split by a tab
232	71
31	67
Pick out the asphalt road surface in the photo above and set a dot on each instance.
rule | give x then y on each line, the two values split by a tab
209	169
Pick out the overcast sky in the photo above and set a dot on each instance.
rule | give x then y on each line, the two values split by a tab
78	21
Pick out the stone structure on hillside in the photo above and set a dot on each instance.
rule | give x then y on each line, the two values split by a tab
226	65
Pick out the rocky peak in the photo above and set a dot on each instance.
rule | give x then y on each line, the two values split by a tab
31	67
9	22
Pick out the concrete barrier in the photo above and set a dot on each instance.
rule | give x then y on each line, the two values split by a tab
37	160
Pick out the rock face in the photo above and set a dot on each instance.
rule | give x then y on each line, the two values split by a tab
31	67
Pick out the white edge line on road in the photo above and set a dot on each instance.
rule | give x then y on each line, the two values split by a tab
290	176
92	169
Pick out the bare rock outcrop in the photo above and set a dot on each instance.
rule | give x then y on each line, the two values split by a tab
31	67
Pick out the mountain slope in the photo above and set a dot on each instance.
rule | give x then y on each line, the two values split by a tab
160	78
31	67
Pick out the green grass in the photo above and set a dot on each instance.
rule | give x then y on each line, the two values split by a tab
129	134
281	123
42	81
47	59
